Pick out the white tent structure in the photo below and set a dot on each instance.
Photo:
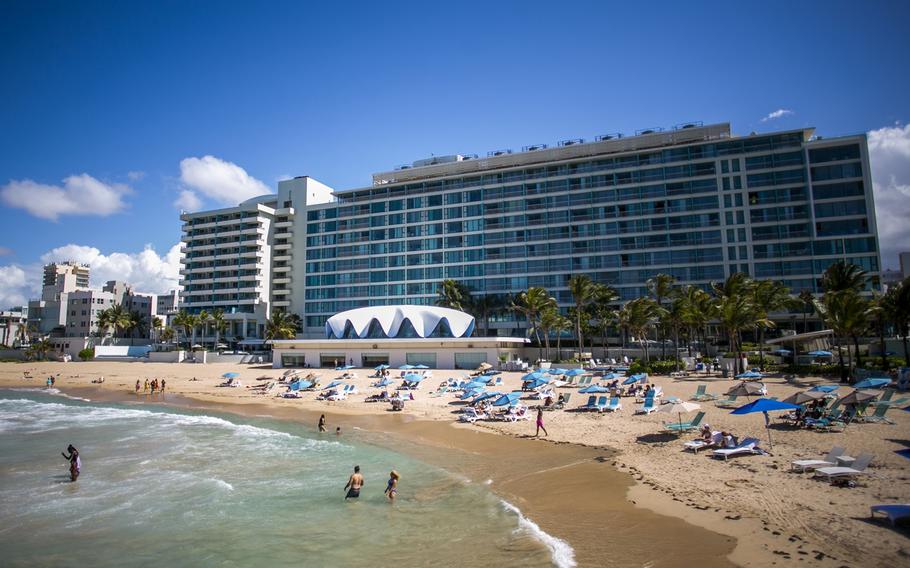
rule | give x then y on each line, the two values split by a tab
391	319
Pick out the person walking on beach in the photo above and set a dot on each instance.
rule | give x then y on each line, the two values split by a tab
162	385
138	386
354	484
50	381
75	462
540	423
391	489
145	387
322	423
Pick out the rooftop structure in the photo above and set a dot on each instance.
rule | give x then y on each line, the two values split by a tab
399	321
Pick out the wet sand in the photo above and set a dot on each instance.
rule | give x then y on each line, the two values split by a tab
572	492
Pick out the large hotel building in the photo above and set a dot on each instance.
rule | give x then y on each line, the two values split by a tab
695	202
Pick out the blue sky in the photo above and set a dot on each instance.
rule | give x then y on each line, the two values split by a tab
119	98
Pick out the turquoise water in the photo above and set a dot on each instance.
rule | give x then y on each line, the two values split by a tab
168	487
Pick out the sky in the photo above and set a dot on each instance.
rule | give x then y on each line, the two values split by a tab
116	116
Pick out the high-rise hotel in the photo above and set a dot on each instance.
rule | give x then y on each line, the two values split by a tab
695	202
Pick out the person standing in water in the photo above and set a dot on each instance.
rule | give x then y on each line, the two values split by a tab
162	385
540	423
354	484
50	381
145	388
322	423
75	462
138	386
391	489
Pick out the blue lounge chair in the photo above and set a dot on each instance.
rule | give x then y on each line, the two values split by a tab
591	404
602	404
701	394
685	426
614	405
648	407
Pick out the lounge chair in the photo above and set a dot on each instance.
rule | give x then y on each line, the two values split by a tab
748	446
878	416
828	422
685	426
614	405
471	414
858	467
648	407
602	404
894	512
729	402
701	444
516	413
440	391
828	461
591	404
702	395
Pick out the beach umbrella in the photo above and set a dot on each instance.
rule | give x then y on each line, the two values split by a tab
384	382
421	366
859	396
534	383
332	385
482	396
509	399
484	366
230	375
470	393
820	354
406	367
534	376
765	405
556	371
872	384
475	385
609	376
594	389
749	375
782	351
575	372
633	379
678	408
412	377
380	367
825	388
805	396
747	389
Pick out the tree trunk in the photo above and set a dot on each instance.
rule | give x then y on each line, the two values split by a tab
676	348
761	352
881	345
840	357
859	358
622	344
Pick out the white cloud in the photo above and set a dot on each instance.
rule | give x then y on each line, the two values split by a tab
146	271
188	201
779	113
222	181
889	154
80	195
135	175
13	287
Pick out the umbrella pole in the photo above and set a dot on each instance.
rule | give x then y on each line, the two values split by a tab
770	445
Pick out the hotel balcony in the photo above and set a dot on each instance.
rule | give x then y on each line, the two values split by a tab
282	280
281	303
281	269
281	292
284	256
283	246
284	225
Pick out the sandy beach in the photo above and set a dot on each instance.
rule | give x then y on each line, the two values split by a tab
748	511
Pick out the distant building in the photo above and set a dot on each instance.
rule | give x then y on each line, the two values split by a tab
84	306
168	304
48	314
891	277
905	263
12	322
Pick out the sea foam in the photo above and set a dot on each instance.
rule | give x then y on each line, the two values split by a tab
562	553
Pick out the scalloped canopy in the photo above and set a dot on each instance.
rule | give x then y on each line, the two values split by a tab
391	319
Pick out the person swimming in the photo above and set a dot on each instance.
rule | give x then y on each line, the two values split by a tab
354	484
75	462
391	489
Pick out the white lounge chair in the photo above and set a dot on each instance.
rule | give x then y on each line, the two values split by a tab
472	415
829	461
747	446
857	468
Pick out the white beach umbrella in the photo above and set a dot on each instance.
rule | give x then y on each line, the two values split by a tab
679	408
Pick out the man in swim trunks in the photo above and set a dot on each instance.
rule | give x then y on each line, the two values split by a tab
355	483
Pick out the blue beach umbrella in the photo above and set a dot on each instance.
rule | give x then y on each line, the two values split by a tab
533	376
594	389
380	367
509	399
872	384
609	376
782	351
824	388
575	372
470	393
633	379
481	396
475	385
412	377
421	367
406	367
765	405
534	383
384	382
749	375
820	354
230	375
332	385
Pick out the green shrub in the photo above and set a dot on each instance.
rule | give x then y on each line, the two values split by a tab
637	367
87	354
662	367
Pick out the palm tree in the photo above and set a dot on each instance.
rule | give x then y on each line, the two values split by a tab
768	296
735	309
532	304
842	276
640	316
808	300
280	326
846	313
548	322
900	313
483	307
113	318
660	287
561	325
40	348
453	294
179	321
880	309
583	291
604	313
673	317
698	310
167	334
203	319
157	326
219	324
136	323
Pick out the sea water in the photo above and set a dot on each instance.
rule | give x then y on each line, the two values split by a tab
170	487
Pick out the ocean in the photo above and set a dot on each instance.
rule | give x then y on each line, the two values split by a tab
174	487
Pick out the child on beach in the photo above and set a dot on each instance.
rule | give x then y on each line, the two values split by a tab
391	489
